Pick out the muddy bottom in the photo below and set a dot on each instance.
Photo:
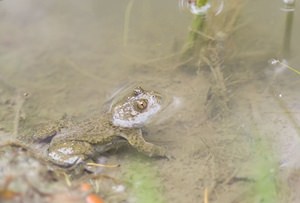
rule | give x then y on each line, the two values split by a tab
219	159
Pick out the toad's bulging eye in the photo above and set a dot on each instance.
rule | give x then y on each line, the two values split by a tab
141	104
137	91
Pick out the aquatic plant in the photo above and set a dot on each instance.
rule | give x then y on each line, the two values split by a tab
289	9
196	26
143	182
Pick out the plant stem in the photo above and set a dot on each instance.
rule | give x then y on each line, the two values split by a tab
288	28
197	25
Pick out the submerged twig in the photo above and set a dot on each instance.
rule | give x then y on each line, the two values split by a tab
205	195
275	61
67	179
20	99
103	165
79	69
127	21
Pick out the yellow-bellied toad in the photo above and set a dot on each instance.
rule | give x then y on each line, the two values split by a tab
71	143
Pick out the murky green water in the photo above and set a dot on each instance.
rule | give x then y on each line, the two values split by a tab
70	57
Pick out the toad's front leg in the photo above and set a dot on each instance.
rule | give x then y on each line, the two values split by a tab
137	141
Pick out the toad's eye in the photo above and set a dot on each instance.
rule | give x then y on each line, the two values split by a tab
141	104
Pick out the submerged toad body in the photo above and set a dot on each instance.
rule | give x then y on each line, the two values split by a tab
72	143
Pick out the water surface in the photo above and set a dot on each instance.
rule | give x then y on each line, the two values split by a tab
71	56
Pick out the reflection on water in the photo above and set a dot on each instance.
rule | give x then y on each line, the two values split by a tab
196	10
70	57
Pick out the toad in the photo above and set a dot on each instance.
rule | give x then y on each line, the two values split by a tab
70	143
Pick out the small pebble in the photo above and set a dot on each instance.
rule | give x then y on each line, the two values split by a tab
118	188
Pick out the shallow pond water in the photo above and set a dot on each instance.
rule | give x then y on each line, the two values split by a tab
71	57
